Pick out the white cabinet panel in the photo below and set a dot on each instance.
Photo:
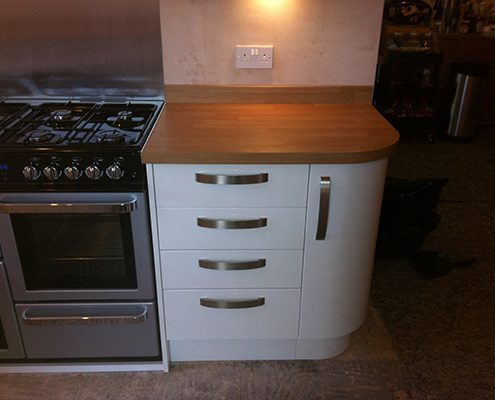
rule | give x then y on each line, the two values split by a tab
337	270
176	186
186	318
178	229
181	269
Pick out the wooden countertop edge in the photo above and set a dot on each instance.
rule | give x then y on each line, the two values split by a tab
268	158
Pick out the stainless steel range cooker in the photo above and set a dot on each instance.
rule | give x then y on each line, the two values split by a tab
81	88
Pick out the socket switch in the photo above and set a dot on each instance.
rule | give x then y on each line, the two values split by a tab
254	56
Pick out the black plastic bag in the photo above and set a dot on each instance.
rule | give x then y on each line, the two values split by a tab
408	215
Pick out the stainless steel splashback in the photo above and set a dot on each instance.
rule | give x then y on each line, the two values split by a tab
81	49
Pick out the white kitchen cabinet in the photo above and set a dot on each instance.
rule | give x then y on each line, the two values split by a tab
230	240
337	267
312	302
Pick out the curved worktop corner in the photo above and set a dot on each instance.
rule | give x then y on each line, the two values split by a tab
269	134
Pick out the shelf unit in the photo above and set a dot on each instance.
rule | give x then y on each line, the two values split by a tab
406	88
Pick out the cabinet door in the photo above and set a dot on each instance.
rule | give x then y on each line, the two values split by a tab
338	265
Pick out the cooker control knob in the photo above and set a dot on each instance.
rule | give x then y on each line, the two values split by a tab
31	172
93	172
114	171
72	172
51	172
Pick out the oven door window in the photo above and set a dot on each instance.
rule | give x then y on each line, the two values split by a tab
75	251
3	339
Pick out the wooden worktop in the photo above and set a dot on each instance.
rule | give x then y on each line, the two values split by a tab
269	134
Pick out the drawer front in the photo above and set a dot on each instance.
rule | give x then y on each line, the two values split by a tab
89	330
279	228
187	318
231	185
231	269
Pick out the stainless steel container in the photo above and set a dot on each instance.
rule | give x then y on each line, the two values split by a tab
463	112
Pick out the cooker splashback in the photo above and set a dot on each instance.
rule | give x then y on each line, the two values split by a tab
93	49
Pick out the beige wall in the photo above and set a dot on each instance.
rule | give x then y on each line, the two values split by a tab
316	42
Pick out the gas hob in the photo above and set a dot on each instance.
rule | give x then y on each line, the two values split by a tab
73	145
74	124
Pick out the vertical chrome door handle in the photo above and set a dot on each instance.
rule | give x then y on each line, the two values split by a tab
325	185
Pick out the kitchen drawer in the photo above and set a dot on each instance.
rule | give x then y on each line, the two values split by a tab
179	228
178	186
231	269
186	318
89	330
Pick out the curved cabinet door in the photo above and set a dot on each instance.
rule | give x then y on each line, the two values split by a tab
342	223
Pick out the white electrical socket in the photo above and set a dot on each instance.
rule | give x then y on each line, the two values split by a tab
254	56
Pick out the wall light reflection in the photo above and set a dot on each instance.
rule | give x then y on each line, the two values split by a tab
272	3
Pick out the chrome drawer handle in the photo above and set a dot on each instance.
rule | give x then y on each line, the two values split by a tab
231	179
221	303
85	319
232	265
231	223
325	186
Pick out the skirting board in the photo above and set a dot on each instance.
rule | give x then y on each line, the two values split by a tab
266	94
257	349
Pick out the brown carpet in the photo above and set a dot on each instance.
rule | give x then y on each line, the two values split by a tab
443	329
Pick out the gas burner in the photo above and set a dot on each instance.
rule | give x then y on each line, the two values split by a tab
41	136
61	115
125	119
124	115
110	137
63	118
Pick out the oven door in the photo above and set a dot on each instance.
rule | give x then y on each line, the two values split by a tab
10	339
77	246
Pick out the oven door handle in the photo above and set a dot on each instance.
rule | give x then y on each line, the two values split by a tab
135	318
124	207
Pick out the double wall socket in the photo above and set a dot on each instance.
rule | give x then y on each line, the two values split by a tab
254	56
